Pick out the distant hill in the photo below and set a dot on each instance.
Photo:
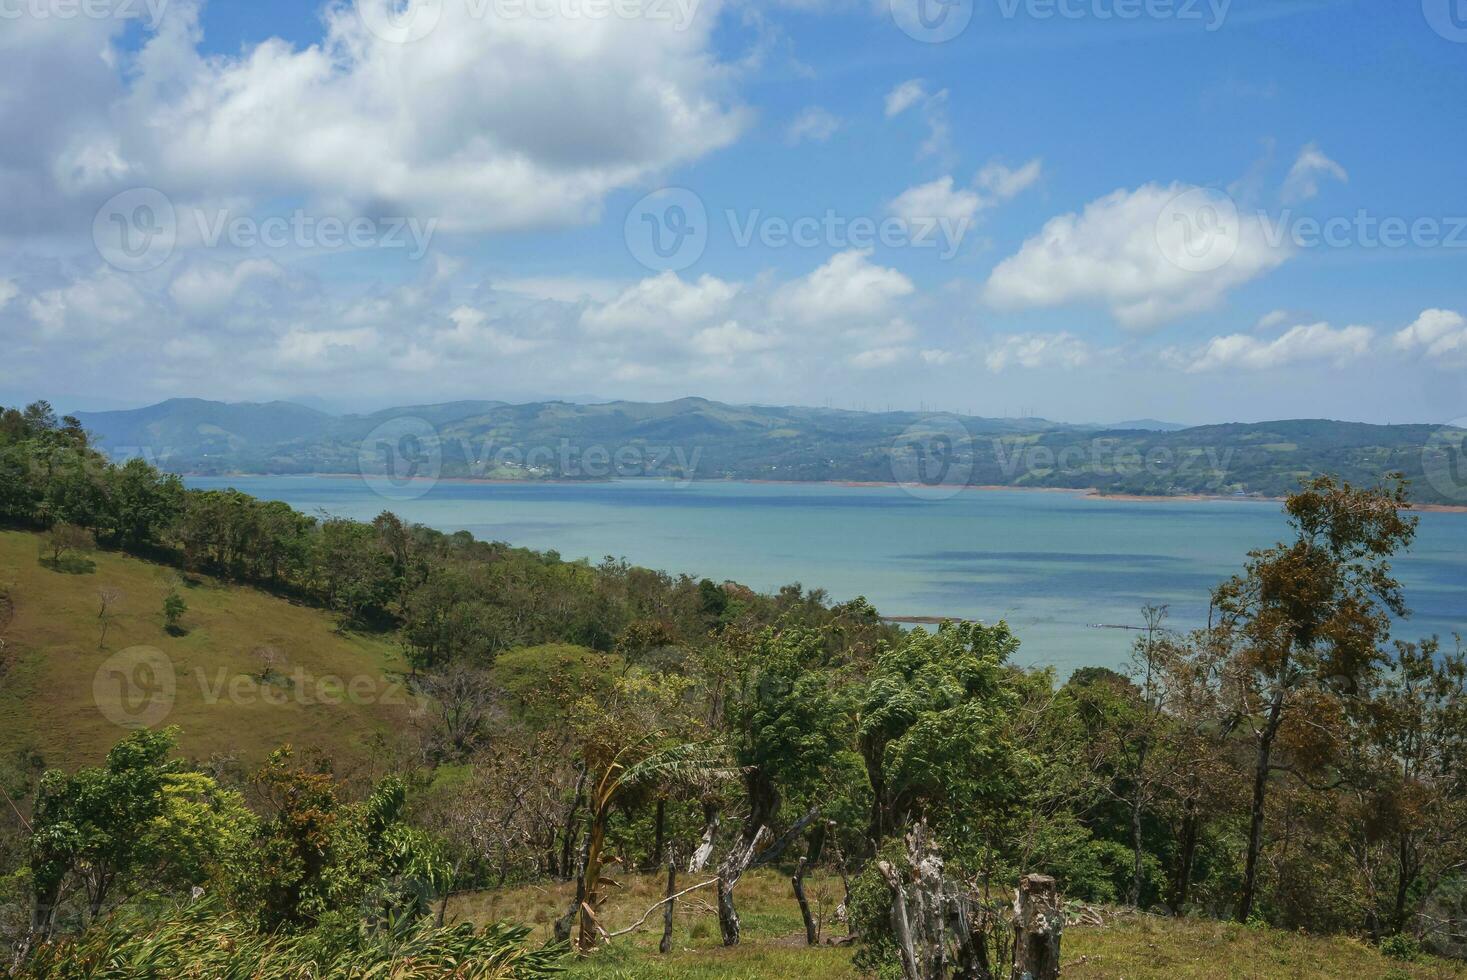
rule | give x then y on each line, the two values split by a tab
702	439
1147	425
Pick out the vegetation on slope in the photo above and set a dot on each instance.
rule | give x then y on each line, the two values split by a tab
1291	764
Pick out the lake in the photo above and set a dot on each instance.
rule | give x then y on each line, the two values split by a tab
1052	564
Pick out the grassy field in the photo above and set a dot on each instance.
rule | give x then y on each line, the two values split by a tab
1129	945
338	693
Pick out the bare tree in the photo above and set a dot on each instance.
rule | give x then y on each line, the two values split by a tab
107	597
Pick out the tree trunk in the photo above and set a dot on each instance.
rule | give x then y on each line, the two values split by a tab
704	850
666	944
570	822
1186	855
729	872
812	856
1260	795
566	923
1134	899
659	822
1038	924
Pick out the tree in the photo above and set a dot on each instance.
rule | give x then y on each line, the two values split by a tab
107	597
932	720
638	737
1414	805
787	726
1303	625
174	607
1126	723
63	539
92	826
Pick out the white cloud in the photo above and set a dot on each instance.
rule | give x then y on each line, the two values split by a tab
814	124
1438	334
92	307
1002	183
729	340
1303	180
879	357
444	127
937	357
1112	254
849	286
1298	345
939	202
472	332
934	114
207	287
310	347
8	292
1037	350
1272	319
904	96
662	303
936	201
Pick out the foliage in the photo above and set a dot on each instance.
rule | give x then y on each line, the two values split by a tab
205	939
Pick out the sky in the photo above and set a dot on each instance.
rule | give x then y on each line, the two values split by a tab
1086	210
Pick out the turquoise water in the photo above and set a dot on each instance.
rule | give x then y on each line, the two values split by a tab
1052	564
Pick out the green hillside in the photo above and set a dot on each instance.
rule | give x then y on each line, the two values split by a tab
335	693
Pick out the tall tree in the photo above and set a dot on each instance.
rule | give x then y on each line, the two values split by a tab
1304	624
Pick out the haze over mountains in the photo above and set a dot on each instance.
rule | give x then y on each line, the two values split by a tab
697	438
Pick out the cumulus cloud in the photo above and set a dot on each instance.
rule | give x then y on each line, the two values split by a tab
472	331
814	124
207	287
1037	350
1122	252
1303	344
1303	180
937	201
1438	334
941	204
879	357
730	340
443	127
849	286
662	303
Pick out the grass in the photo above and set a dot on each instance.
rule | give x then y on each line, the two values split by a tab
333	692
1130	945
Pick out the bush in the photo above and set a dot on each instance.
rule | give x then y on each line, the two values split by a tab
1401	947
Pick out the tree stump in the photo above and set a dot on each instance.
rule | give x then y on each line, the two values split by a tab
1038	923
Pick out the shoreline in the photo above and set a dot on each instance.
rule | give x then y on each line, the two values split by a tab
1091	493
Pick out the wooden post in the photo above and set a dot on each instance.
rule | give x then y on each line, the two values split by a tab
666	943
1038	923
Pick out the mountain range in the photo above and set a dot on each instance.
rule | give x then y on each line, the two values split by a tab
698	438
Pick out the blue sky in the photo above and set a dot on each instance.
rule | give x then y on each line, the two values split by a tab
1090	210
